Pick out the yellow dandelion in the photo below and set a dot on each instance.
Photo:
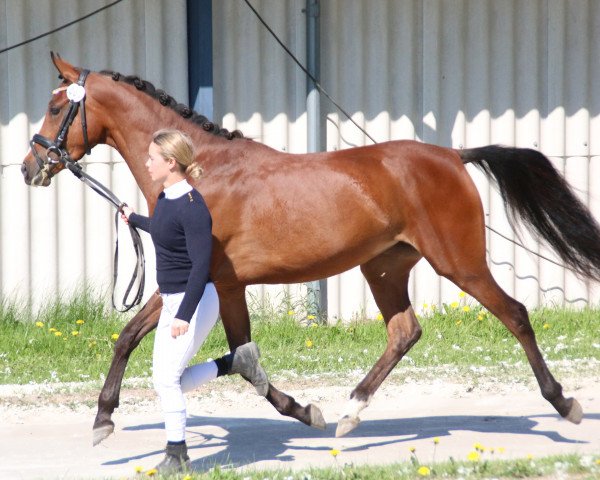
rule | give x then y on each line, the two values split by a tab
308	343
425	306
314	325
454	305
473	457
436	440
598	461
379	316
529	456
546	326
310	317
187	477
114	336
412	449
52	330
458	322
74	333
334	452
480	317
79	322
501	449
39	324
461	294
58	334
466	308
290	312
424	471
152	472
478	446
139	469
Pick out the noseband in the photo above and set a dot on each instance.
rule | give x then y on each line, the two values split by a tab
76	100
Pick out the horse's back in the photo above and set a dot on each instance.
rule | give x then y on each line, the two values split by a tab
296	217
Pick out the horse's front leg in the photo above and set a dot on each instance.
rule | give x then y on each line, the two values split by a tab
137	328
236	321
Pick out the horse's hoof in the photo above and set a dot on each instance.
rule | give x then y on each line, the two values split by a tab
100	433
575	415
316	417
346	425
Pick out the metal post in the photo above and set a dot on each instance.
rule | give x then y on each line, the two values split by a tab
317	290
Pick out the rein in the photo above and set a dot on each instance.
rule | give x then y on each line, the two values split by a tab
76	96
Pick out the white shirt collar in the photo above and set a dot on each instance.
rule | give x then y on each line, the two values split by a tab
177	189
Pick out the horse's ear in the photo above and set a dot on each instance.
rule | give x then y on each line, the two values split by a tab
66	70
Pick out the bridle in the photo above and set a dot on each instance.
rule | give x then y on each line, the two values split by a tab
76	95
57	146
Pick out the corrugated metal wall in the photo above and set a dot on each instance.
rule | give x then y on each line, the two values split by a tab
453	73
57	238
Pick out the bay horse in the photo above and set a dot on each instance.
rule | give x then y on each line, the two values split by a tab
382	207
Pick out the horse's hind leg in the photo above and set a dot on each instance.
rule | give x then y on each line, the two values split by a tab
387	275
459	255
236	321
514	315
137	328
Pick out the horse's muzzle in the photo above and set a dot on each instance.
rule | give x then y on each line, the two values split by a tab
39	178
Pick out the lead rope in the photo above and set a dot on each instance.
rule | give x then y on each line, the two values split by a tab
139	271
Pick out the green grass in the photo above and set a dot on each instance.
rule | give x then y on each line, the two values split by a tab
559	466
51	346
456	340
54	345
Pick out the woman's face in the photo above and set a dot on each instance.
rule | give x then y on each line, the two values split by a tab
158	168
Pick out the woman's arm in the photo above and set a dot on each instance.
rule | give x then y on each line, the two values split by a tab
138	221
197	225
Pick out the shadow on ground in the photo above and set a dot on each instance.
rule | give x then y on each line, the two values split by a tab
251	440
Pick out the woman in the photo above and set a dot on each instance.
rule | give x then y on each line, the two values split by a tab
181	232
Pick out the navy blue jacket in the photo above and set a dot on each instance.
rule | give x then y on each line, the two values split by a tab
181	230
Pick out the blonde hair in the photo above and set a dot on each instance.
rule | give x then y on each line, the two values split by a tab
178	146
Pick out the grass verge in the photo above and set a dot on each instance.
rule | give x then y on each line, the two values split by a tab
72	340
581	467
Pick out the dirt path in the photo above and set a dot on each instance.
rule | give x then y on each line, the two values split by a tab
230	425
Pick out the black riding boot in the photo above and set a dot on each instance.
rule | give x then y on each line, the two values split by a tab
244	360
176	459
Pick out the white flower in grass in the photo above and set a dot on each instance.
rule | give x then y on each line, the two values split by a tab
559	347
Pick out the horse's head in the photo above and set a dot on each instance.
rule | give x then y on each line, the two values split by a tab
61	138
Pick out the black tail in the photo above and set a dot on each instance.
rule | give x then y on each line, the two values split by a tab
534	191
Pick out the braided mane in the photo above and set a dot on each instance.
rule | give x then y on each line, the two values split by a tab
168	101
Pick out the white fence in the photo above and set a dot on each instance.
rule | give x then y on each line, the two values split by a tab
454	73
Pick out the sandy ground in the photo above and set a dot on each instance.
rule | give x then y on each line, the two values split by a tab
48	435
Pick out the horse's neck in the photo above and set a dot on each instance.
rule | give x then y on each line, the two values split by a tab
131	140
132	144
130	133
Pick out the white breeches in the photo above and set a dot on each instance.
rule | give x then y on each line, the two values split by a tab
172	355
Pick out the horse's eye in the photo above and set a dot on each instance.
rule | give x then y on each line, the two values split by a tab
54	110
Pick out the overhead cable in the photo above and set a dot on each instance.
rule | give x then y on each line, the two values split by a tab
25	42
308	74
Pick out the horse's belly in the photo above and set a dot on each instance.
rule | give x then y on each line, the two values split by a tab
305	261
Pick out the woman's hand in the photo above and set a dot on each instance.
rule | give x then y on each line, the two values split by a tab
125	212
179	327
